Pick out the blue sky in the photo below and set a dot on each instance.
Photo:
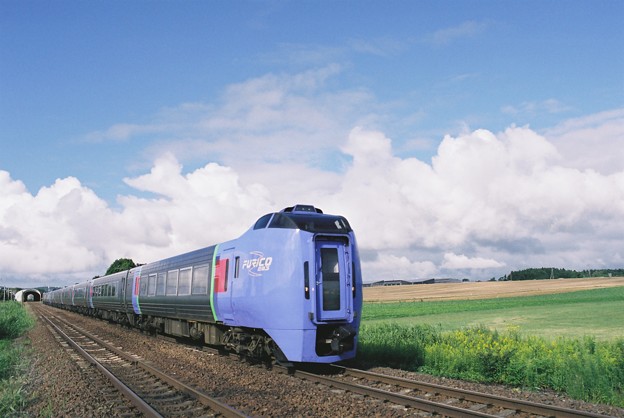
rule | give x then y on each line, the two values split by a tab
96	97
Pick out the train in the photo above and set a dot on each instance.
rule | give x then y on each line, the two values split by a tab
289	288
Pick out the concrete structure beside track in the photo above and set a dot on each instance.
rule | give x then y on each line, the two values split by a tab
24	295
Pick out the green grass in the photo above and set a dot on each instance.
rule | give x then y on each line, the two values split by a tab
572	342
14	322
598	313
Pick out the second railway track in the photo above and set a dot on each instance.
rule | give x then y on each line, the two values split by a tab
433	398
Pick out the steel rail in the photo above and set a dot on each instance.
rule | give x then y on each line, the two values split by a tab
515	404
215	405
421	404
135	399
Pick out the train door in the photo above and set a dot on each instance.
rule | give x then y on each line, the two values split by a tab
333	281
136	286
223	285
89	295
127	287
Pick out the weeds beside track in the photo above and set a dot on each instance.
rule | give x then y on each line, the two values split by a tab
583	368
14	322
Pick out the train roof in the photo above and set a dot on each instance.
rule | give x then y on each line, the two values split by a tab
306	218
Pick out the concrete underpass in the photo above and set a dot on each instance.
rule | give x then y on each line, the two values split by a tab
28	295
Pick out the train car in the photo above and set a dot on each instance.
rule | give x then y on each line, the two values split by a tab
67	296
289	287
81	297
105	298
173	296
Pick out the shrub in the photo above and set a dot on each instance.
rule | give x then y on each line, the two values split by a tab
399	346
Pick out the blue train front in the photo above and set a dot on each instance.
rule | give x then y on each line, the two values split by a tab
289	287
296	276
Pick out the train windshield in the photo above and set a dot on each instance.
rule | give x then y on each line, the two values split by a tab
310	223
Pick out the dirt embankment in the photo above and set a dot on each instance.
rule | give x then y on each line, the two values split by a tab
485	290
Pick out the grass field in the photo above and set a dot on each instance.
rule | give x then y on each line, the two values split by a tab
598	313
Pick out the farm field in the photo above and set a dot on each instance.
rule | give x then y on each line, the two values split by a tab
485	290
560	309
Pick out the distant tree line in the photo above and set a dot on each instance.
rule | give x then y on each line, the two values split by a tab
545	273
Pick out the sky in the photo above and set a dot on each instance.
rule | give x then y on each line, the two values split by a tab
460	139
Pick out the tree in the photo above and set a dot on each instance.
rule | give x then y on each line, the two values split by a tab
121	264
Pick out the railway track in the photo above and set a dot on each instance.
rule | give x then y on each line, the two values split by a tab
432	398
152	392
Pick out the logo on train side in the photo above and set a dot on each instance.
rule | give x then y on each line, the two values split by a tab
257	263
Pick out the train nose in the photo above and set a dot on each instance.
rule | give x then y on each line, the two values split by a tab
342	339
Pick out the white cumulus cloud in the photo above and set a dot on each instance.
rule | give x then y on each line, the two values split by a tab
65	232
507	195
592	142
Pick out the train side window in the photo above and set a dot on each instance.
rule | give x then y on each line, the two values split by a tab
151	285
353	280
172	282
200	279
161	283
143	281
306	279
236	267
184	281
114	289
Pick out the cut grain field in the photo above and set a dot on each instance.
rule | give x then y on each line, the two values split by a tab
485	290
